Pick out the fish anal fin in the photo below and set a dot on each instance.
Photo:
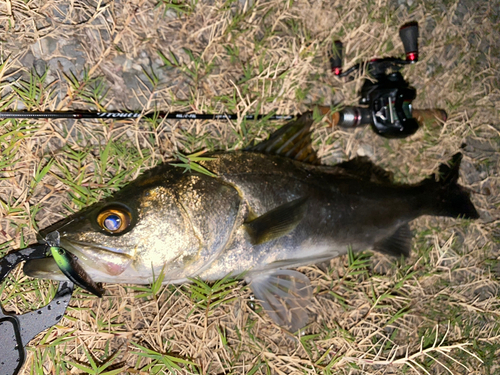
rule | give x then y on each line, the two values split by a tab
397	244
362	167
277	222
284	295
293	140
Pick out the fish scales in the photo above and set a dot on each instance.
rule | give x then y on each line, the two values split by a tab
343	211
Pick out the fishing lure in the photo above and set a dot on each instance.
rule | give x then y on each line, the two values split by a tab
68	264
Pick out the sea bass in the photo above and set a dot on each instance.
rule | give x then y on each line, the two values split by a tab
263	211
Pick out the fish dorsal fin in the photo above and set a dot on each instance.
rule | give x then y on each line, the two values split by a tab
277	222
292	140
363	168
448	173
397	244
284	295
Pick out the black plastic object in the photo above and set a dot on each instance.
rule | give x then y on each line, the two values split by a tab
409	36
386	95
335	57
16	331
389	99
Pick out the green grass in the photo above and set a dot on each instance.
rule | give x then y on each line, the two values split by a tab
98	366
34	93
190	163
207	296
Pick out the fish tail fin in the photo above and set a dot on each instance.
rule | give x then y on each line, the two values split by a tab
452	199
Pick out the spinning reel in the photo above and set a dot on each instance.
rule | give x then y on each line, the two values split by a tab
386	101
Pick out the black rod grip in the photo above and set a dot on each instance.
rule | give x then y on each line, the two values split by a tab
409	36
336	57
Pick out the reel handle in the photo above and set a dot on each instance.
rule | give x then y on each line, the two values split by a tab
335	57
433	116
409	36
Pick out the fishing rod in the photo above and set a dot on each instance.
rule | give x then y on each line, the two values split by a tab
135	115
385	99
347	117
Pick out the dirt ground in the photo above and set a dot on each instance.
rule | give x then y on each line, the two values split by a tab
435	313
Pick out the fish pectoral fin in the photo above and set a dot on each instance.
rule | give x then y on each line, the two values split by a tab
284	295
277	222
397	244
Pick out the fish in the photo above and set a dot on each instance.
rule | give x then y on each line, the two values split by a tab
260	213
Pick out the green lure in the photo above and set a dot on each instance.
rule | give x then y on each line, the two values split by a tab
68	264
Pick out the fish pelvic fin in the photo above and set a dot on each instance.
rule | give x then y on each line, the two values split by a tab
293	140
277	222
284	295
453	200
397	244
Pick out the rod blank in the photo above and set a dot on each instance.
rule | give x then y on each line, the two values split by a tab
133	115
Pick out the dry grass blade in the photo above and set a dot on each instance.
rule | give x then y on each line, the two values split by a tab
371	315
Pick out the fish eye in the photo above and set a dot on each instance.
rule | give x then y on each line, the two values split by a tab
114	220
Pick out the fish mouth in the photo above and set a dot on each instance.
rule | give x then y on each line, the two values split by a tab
101	263
45	268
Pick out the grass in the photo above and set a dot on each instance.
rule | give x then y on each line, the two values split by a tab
435	313
190	163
